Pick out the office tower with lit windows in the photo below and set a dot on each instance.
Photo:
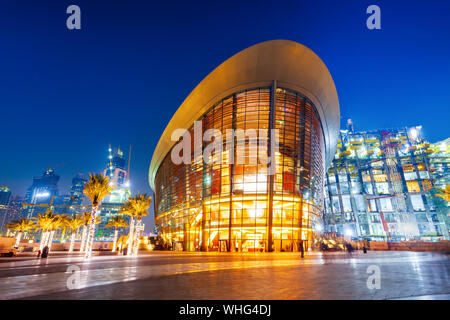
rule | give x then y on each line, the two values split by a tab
70	203
380	185
119	181
116	168
5	196
76	189
276	87
43	189
14	211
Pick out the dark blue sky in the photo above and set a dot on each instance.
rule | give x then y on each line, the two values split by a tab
66	94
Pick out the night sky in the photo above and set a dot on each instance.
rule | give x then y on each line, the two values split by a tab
66	94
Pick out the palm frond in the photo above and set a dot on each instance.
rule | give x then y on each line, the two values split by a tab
21	225
97	188
117	222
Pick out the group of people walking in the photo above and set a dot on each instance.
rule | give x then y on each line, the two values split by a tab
44	253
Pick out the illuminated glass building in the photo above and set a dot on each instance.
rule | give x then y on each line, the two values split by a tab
76	190
5	195
380	186
119	181
115	169
71	203
233	206
43	189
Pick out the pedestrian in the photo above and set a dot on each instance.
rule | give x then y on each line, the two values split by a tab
44	252
302	250
39	254
364	249
349	247
125	250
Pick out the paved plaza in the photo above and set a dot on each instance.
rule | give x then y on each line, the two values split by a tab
173	275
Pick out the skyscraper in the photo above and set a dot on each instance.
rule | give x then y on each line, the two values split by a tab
70	203
76	190
43	189
5	195
119	181
116	168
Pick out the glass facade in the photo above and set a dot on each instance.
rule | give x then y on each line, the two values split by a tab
380	185
237	205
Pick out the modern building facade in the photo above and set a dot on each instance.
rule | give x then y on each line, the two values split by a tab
119	180
380	185
116	168
5	196
76	189
71	202
278	93
43	189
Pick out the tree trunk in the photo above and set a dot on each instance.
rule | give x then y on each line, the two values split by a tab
130	237
91	232
72	241
50	241
116	234
83	238
47	236
137	234
19	236
43	239
63	235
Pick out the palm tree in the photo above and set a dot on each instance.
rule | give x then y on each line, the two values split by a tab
86	221
127	209
44	222
57	223
116	222
140	204
95	189
74	223
20	226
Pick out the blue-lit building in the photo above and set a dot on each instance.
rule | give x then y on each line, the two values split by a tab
43	189
119	181
72	202
5	196
76	190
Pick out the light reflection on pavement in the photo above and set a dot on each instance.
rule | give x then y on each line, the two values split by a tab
408	273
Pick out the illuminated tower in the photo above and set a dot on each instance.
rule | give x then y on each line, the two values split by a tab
119	181
43	189
116	168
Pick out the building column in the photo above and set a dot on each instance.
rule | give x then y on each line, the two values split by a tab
271	179
231	174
